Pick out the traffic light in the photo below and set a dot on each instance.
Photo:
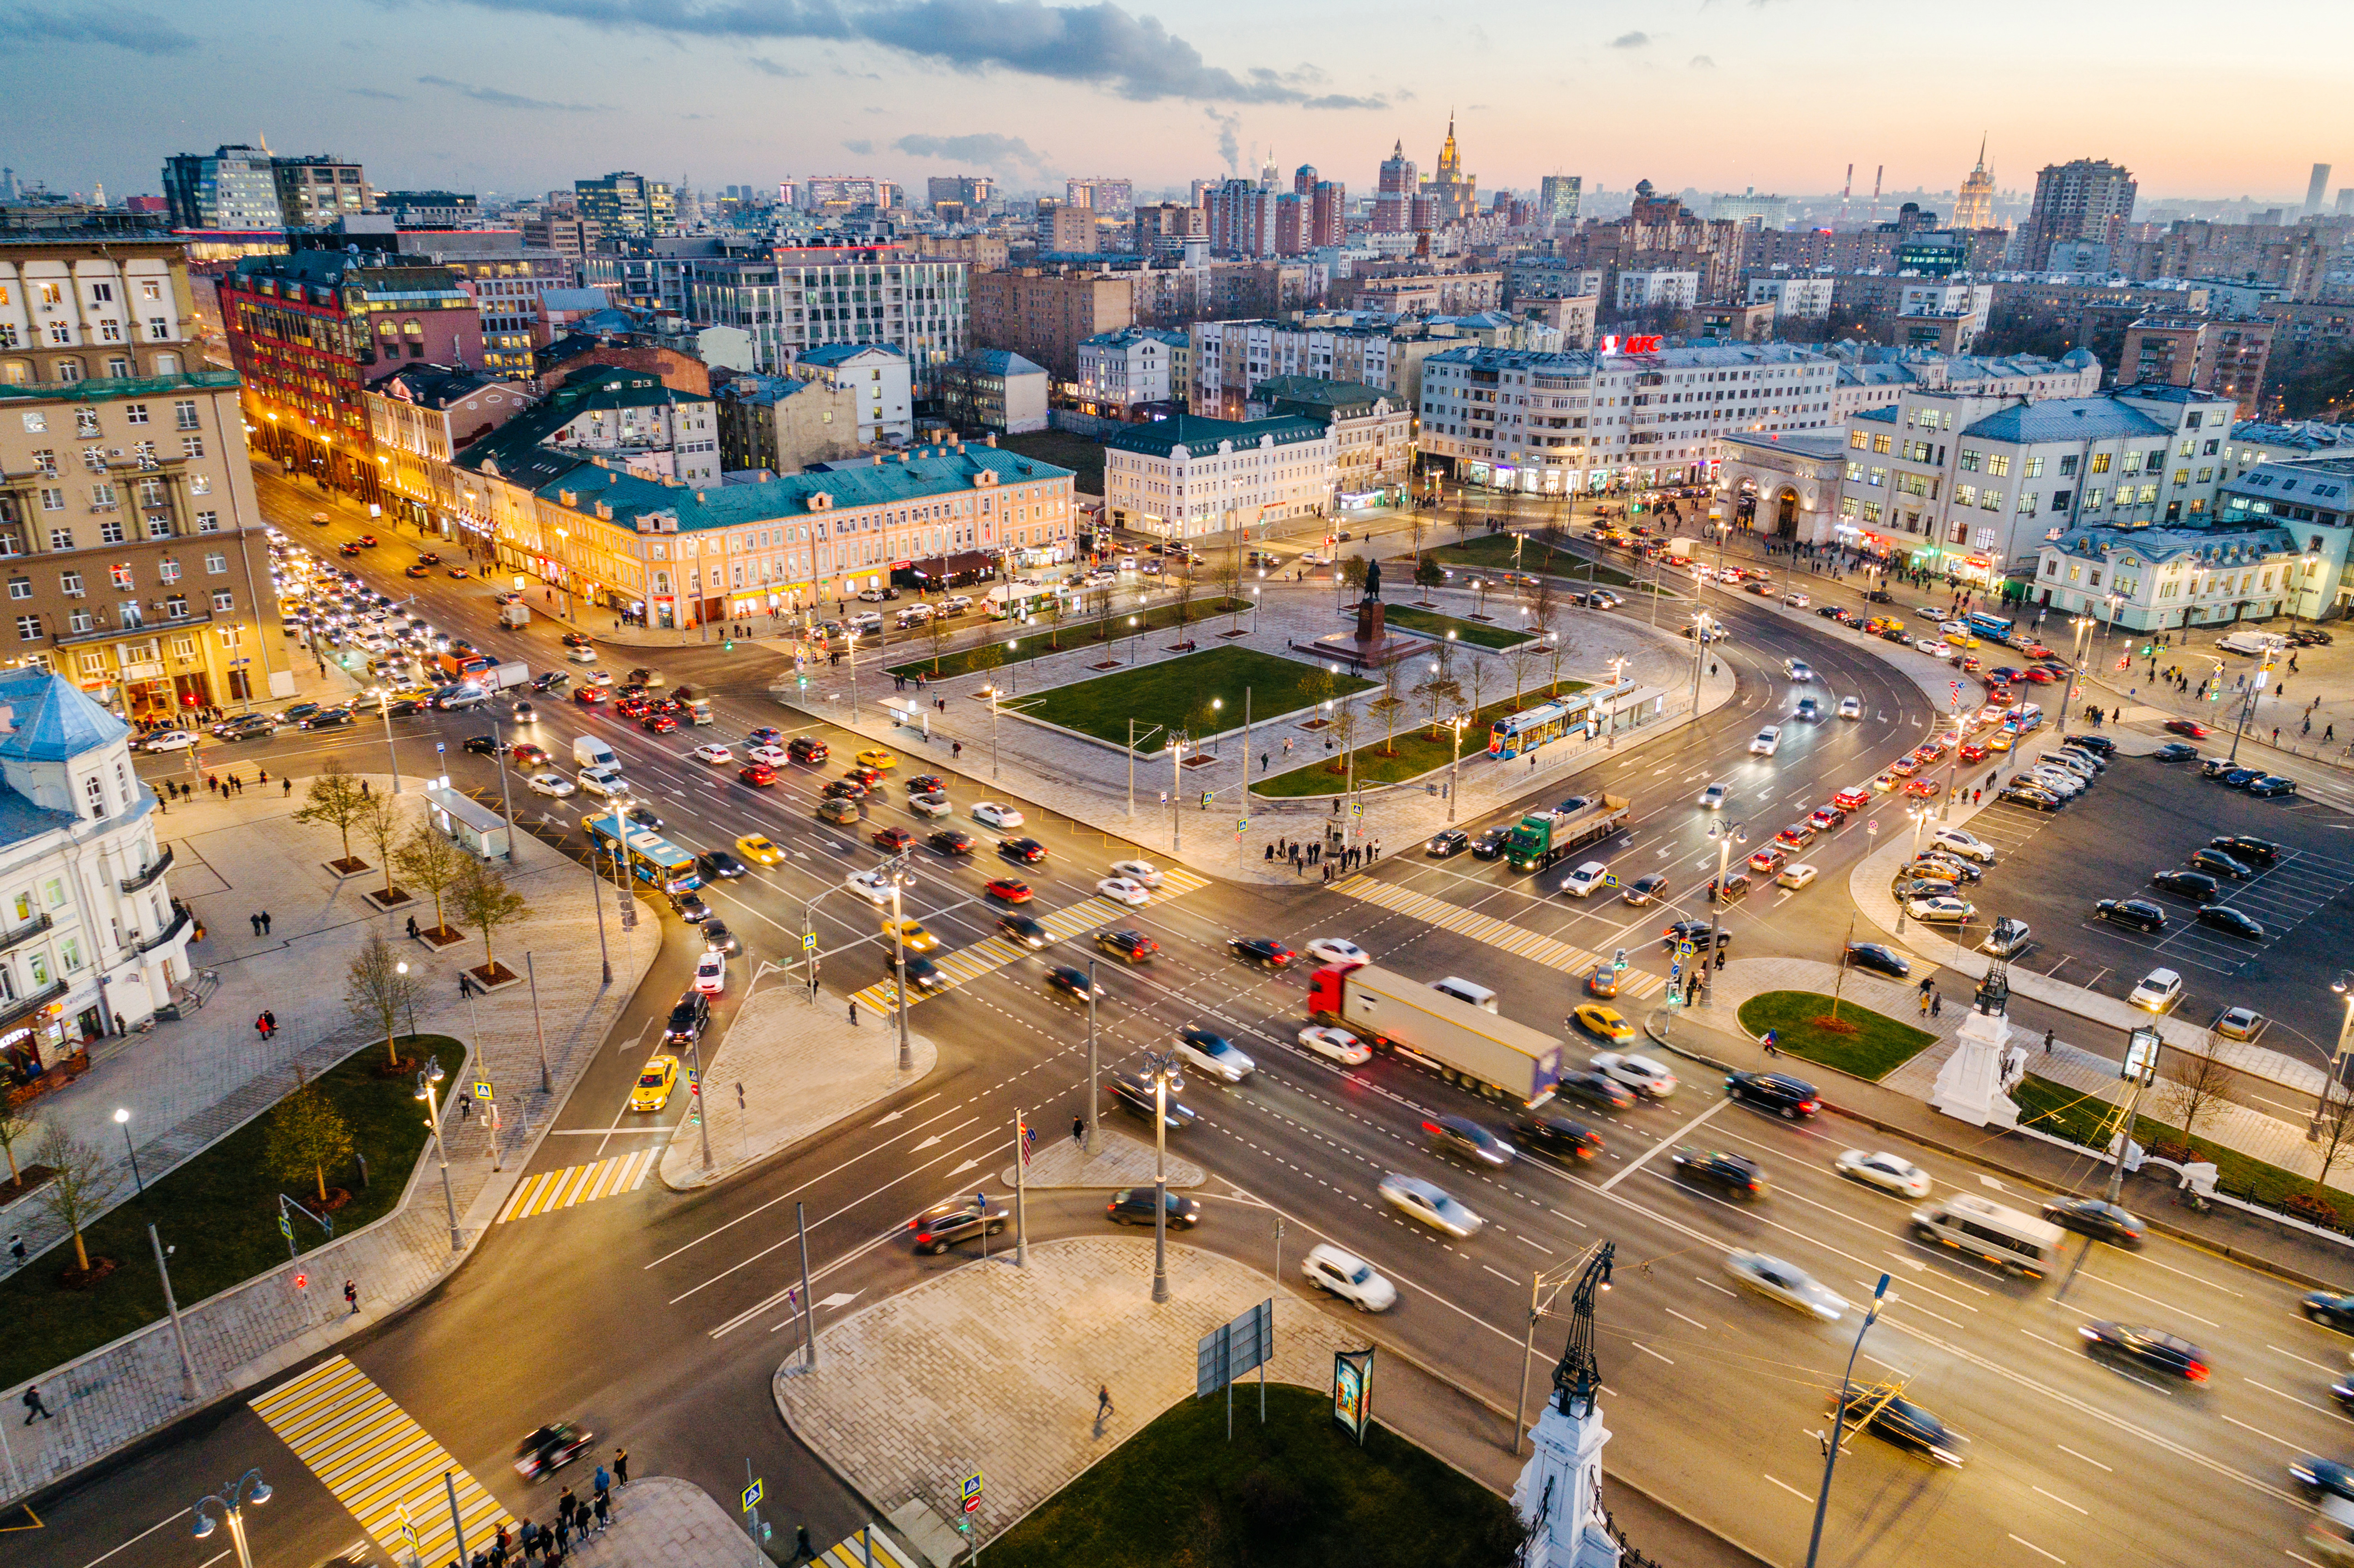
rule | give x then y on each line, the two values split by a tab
301	1282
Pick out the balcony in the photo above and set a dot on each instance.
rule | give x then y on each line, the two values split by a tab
24	933
179	924
17	1012
144	628
155	868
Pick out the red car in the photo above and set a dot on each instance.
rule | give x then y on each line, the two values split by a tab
759	775
1974	751
892	839
2190	727
460	572
368	540
2037	651
2039	676
1923	789
588	697
658	724
1011	889
869	776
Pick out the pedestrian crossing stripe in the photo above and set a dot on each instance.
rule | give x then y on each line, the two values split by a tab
990	954
1517	940
366	1451
855	1553
552	1190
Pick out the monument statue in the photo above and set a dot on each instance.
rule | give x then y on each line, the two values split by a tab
1373	578
1559	1494
1371	631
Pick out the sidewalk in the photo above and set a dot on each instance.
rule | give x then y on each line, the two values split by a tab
659	1521
193	1082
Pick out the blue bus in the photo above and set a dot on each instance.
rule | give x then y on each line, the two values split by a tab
1524	731
1990	626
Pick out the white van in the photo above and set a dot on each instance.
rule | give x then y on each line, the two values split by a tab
1580	882
1987	1230
2252	643
588	751
1479	996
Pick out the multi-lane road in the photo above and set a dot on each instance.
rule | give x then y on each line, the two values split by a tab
656	1319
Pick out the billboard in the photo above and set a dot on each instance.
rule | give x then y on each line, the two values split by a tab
1352	1392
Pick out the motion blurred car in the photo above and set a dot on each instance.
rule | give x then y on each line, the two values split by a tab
1779	1092
758	850
1143	872
1133	1206
1129	947
2145	1348
1337	1044
1026	852
1346	1276
1603	1022
1645	1077
1065	979
1335	950
1462	1135
996	814
1008	889
2096	1218
951	842
1735	1175
1882	1409
554	785
943	1225
1879	957
1558	1135
1121	890
653	1089
1431	1204
550	1449
1214	1055
1889	1173
1787	1283
1264	951
1135	1093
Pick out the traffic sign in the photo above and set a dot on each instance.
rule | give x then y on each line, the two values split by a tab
482	1090
752	1497
1675	970
1684	948
971	1489
1610	879
809	941
285	1225
973	1505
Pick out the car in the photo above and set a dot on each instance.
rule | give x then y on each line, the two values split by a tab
589	696
1766	741
2190	727
1787	1283
481	746
1582	882
1265	951
1135	1093
1558	1135
875	886
760	775
1889	778
2147	1348
1121	890
2222	768
1214	1055
943	1225
759	850
1941	911
1430	1203
715	753
1879	957
2271	786
1602	1023
930	805
2053	780
1335	1044
1957	841
1882	1409
170	740
877	758
1644	889
711	972
909	933
1946	867
1923	788
1851	707
1596	1089
549	1448
2219	863
1889	1173
1713	798
2174	751
1129	947
690	908
996	814
328	718
653	1089
891	838
2160	989
1346	1276
2139	913
554	785
1008	889
2033	796
1490	844
2196	885
1335	950
2234	922
1735	1175
1779	1092
1134	1205
415	571
802	748
1798	670
1462	1135
1023	931
1453	841
2246	850
1027	850
768	756
2240	1023
867	779
523	754
927	784
2094	1217
1644	1075
2317	1478
1143	872
605	786
2328	1308
837	789
1693	931
460	572
1823	818
951	842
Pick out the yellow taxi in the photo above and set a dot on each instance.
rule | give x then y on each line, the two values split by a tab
1999	740
1961	639
1603	1022
653	1086
911	933
758	850
1602	981
877	758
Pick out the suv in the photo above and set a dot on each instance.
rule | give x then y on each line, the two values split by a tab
807	748
1129	947
1735	1175
688	1019
1793	1097
943	1225
2139	913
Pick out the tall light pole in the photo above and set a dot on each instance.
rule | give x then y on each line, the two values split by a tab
391	758
990	691
1161	1067
2140	1069
2083	626
427	1076
122	1120
1095	1092
248	1491
1839	1421
1454	768
1920	816
1726	835
898	872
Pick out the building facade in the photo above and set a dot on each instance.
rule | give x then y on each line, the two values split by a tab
2163	579
879	380
419	419
782	424
2218	353
318	191
626	204
994	390
1371	429
797	299
1120	371
1044	316
1189	478
2088	200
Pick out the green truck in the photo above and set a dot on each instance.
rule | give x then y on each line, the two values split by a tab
1544	837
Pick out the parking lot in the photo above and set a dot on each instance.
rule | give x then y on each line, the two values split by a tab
2145	817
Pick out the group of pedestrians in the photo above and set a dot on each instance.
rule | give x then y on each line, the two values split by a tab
577	1521
1339	861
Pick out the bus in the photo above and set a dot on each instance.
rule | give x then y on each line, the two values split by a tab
1020	600
1990	626
1523	732
654	859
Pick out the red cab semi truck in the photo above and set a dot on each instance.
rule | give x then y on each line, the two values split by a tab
1464	1044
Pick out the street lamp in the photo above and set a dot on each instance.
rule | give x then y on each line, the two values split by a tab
1161	1066
1726	835
990	693
898	872
1839	1421
401	967
122	1120
1919	816
1455	767
427	1076
247	1491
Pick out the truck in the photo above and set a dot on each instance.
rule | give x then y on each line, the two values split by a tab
500	677
1478	1050
515	613
1544	837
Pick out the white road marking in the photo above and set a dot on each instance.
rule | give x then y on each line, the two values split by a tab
2038	1550
1634	1165
1788	1488
2086	1457
2064	1502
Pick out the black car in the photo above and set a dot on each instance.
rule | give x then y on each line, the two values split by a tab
688	1020
2220	864
551	1448
252	726
1023	929
844	789
2329	1310
1888	1415
718	866
1490	844
1780	1091
1923	888
2317	1477
1643	889
951	842
803	748
1129	947
1880	957
2033	799
718	939
943	1225
328	718
2196	885
2241	778
481	746
639	817
2271	786
1072	982
407	707
1453	841
1596	1089
1133	1206
2139	913
1693	931
1468	1139
1264	951
1735	1175
922	973
554	681
2247	851
2176	751
2157	1353
2233	922
1135	1092
2099	744
2094	1217
1027	852
690	908
927	784
1558	1135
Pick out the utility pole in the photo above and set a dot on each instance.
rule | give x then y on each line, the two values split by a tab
171	1304
1839	1421
1094	1090
2140	1069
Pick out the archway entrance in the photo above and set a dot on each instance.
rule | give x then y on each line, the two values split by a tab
1785	514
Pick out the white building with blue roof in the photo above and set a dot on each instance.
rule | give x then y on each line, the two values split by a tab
878	375
2162	579
2314	500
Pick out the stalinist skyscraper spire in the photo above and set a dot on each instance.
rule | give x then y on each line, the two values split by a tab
1975	206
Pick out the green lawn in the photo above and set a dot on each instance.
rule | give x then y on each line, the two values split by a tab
1294	1493
1077	631
1496	550
1083	457
1878	1047
2081	1118
1179	693
220	1211
1478	633
1417	752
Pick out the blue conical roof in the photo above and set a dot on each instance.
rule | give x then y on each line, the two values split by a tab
52	719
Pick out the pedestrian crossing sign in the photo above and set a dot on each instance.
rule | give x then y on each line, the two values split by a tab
1610	879
752	1497
482	1090
809	941
1684	949
972	1489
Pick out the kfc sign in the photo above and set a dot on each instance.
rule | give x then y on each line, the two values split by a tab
1631	346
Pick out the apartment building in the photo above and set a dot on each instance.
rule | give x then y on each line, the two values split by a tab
419	419
782	424
2221	353
794	300
1044	316
1373	432
1873	375
2161	579
1229	357
628	419
1189	477
626	204
1120	372
879	380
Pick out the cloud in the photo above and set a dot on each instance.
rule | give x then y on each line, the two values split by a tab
861	146
141	32
500	99
1701	62
770	67
984	148
1631	41
373	93
1097	44
1230	144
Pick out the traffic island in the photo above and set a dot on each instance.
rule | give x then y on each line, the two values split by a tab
1118	1161
1834	1032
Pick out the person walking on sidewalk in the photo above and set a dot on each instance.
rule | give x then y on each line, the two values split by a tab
1078	1130
1103	1402
352	1296
1937	1003
265	922
36	1411
853	1012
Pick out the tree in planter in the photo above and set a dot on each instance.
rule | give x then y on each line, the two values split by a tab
334	798
1099	599
1543	600
1557	649
937	631
1429	573
378	995
1352	573
379	826
2192	1097
1058	606
1523	658
431	862
15	1128
1442	692
1390	703
1184	586
485	902
306	1135
1474	685
1233	568
1345	736
81	1184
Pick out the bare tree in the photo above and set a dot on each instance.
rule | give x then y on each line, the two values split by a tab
1523	657
82	1182
1474	683
337	798
1058	606
1345	736
2332	1129
2191	1097
377	994
1184	586
1442	691
1099	599
15	1126
380	827
1544	600
985	656
306	1134
1557	649
1418	523
1390	703
1233	568
486	902
433	863
936	631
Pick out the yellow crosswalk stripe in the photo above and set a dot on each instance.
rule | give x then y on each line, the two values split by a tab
376	1461
552	1190
990	954
863	1548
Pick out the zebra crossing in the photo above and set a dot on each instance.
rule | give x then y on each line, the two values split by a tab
990	954
379	1464
1517	940
870	1548
553	1190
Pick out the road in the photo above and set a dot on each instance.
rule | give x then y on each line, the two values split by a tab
656	1319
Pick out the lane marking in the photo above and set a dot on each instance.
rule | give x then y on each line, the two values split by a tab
2086	1457
1634	1165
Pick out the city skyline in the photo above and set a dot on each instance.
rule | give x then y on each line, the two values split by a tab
1021	90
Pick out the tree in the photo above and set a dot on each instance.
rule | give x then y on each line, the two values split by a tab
1058	606
1233	568
486	902
82	1182
15	1128
377	994
1557	649
1475	683
1345	736
1429	573
379	825
2332	1130
1390	703
1099	604
1543	600
1352	572
937	631
1523	658
306	1134
432	860
1418	522
335	798
985	656
2191	1097
1442	691
1185	565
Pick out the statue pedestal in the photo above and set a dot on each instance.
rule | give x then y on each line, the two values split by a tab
1559	1494
1370	619
1970	1086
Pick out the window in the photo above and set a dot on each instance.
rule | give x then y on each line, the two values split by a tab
2034	468
53	893
169	571
2067	465
28	629
1965	495
53	499
207	522
2095	499
37	421
215	562
192	446
2027	503
69	951
1969	460
2100	463
86	423
200	484
1858	439
135	413
69	584
223	599
79	620
184	414
110	532
37	963
1998	463
183	646
20	587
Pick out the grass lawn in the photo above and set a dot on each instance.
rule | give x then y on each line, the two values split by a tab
1077	631
220	1211
1177	694
1478	633
1418	753
1064	449
1878	1047
2080	1118
1536	555
1294	1493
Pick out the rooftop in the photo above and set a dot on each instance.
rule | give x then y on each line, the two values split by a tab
2065	420
843	352
1195	434
50	719
2162	547
1697	357
2322	482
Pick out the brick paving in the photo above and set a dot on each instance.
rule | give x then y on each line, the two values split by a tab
1119	1161
659	1521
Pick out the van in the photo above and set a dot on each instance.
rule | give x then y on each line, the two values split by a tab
1987	1230
2022	718
2252	643
1479	996
2074	762
588	751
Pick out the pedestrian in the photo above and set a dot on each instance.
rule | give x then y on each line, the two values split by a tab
465	985
265	922
270	1018
1771	1041
255	921
287	784
853	1012
562	1531
1937	1003
1103	1401
621	1467
1078	1130
2047	1042
412	927
1925	1002
604	1512
466	1106
802	1550
352	1296
2330	732
262	1026
36	1411
363	788
599	1482
17	1250
1270	852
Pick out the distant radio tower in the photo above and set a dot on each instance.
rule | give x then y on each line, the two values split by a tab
1845	191
1875	192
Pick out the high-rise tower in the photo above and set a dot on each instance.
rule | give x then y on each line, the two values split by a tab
1974	208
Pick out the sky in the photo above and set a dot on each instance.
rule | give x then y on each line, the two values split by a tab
516	96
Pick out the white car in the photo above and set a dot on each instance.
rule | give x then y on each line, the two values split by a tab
1335	950
774	756
2159	990
1337	1044
873	884
1580	882
996	814
171	740
714	753
1787	1283
1349	1276
1884	1171
1214	1056
1798	670
1713	798
2059	781
550	784
1966	844
604	786
1430	1203
930	805
1121	890
1941	911
1769	741
583	656
711	973
1141	872
1641	1074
